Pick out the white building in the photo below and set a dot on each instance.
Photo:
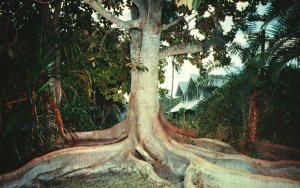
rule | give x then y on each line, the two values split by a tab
195	90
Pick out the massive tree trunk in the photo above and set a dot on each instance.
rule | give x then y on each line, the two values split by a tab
145	141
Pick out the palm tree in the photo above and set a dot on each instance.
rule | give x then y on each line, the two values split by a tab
251	96
270	50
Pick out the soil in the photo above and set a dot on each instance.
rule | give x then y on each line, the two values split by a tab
108	180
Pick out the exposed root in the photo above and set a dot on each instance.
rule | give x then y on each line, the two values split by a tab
48	175
112	135
209	175
84	170
232	165
144	154
67	162
175	131
277	152
150	150
214	145
146	169
93	142
242	163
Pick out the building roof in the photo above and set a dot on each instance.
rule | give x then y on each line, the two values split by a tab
187	105
182	88
208	81
194	77
212	81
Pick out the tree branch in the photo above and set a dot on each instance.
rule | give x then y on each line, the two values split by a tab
190	48
96	5
180	49
141	7
56	14
165	27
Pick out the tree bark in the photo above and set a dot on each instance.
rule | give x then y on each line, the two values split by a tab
253	117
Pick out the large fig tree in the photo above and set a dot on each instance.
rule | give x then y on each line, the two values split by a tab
145	141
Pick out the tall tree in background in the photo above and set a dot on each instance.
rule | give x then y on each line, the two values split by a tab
50	15
145	140
50	18
247	104
271	50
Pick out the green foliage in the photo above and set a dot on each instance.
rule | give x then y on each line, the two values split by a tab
208	26
167	103
196	4
280	123
96	78
268	71
191	4
18	142
226	109
224	116
93	74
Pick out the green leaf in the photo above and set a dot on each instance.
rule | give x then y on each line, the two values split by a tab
94	34
12	121
44	86
92	46
196	4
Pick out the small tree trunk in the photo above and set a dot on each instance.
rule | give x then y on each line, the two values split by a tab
171	99
253	114
253	117
50	23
